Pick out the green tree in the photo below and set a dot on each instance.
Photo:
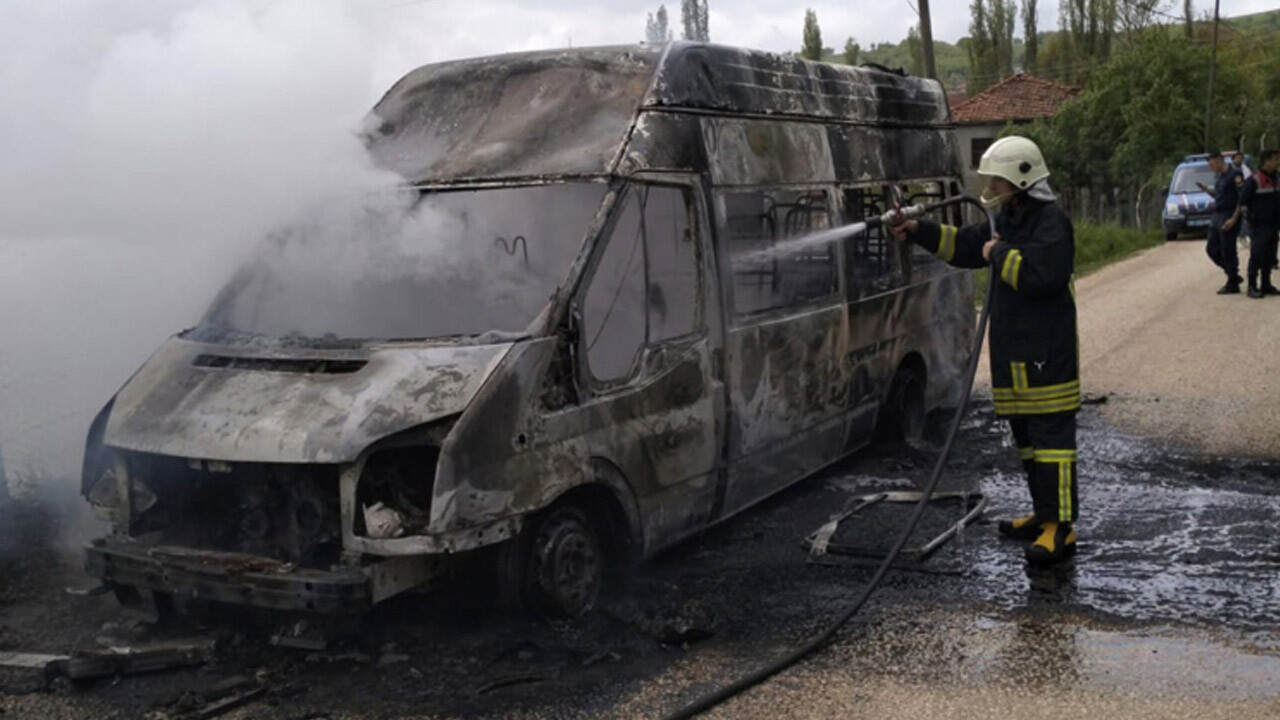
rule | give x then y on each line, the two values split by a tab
1030	20
1142	112
991	46
695	17
1090	27
812	48
657	29
851	51
916	49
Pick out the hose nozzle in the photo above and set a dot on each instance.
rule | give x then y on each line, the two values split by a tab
891	217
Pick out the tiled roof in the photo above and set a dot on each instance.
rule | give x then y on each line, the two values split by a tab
1018	97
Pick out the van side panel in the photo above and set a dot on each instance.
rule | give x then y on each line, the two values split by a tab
865	154
764	152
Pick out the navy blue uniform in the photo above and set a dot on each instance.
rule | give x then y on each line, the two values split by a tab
1222	243
1261	200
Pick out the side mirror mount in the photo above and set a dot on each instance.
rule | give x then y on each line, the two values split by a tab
1164	191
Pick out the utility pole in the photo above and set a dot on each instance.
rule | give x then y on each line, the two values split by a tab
1213	63
926	40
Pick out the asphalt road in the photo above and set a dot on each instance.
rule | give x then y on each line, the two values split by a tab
1170	610
1178	362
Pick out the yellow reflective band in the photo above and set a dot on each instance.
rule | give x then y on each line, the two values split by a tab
1019	371
1012	264
946	243
1026	453
1063	515
1036	407
1055	456
1068	471
1039	392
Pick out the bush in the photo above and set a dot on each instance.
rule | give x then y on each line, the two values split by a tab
1099	245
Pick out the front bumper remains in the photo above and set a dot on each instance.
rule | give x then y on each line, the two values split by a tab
234	578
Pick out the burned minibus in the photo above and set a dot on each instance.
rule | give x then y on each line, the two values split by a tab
592	338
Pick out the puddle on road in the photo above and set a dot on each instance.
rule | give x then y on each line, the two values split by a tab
1160	539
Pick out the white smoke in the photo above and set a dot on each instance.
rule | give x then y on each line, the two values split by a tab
146	146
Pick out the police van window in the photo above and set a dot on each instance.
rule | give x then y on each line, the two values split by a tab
872	267
646	284
673	261
768	274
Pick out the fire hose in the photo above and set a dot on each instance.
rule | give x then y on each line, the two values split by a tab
713	698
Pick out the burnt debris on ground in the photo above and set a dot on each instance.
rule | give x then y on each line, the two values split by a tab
1193	552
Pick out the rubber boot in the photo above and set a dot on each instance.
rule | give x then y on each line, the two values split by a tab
1023	528
1056	543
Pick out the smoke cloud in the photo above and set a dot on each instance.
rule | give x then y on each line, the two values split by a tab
147	146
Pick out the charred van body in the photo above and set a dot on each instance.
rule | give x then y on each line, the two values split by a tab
626	363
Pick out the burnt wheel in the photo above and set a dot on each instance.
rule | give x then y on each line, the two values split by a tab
555	567
903	414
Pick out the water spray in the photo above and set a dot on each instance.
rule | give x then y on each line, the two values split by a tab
715	697
794	245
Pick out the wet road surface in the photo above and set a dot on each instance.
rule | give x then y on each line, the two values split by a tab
1171	609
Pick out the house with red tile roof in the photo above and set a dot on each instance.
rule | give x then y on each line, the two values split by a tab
1017	99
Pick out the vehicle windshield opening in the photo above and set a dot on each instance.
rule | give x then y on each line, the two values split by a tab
408	265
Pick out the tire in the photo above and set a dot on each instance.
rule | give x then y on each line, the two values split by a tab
903	415
1170	237
555	567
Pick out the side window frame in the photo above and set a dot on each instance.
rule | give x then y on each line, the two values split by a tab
696	225
896	277
724	253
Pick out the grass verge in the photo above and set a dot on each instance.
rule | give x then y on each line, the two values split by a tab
1096	247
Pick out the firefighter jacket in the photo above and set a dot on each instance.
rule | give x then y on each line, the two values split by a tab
1261	197
1034	347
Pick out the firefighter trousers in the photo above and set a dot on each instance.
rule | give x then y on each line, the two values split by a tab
1262	252
1047	447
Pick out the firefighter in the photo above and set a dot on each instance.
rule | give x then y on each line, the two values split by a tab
1223	228
1034	356
1261	200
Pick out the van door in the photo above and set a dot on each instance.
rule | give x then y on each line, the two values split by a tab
787	338
654	404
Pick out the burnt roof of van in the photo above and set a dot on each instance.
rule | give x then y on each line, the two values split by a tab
569	112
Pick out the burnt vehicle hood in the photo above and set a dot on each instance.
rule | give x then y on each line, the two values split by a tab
233	403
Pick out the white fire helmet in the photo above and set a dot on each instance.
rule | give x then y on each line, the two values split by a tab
1015	159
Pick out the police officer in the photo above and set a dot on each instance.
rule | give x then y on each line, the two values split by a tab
1261	199
1223	227
1034	355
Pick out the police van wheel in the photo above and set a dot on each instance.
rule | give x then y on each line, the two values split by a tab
1169	237
556	566
903	414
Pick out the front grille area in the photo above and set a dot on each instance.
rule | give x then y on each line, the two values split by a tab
286	512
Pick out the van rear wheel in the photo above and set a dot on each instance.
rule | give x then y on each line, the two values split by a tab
903	414
555	566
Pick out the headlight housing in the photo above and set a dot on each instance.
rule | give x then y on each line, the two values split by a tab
1172	210
104	496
